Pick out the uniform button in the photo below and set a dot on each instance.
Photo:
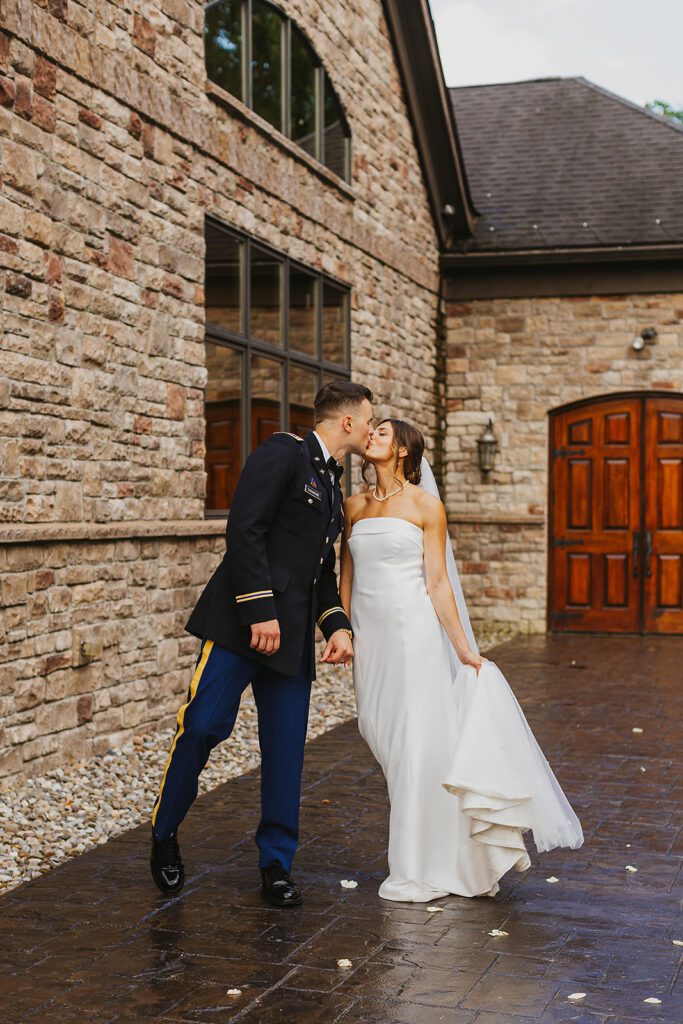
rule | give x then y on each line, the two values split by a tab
310	501
327	540
321	561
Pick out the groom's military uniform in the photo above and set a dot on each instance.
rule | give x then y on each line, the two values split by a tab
285	517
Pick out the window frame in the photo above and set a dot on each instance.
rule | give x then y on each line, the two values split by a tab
321	77
249	345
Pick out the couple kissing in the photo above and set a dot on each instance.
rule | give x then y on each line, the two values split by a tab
465	775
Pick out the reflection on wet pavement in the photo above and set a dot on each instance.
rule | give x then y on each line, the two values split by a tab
94	942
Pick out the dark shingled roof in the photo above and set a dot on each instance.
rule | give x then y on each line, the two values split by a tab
560	162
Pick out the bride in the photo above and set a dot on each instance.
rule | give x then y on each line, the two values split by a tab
465	775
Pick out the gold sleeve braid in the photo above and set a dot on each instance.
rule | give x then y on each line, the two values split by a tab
330	611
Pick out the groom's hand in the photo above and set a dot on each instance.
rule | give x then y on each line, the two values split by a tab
339	650
265	636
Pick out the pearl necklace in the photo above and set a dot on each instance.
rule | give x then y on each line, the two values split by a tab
391	493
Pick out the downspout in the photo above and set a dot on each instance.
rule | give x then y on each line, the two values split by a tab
440	390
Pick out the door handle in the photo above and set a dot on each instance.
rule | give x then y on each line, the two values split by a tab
648	554
636	552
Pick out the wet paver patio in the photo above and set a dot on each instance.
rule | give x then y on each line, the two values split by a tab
93	941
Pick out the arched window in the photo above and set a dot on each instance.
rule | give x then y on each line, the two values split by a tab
258	55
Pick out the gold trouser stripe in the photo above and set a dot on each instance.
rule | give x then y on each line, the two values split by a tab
253	597
206	651
330	611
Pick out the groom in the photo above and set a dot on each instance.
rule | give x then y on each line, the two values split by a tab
256	620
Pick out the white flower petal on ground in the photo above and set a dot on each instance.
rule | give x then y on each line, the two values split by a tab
348	883
630	867
552	879
435	910
234	992
576	996
652	1000
677	942
636	728
344	964
497	932
643	769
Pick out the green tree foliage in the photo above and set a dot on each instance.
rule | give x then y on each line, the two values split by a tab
666	110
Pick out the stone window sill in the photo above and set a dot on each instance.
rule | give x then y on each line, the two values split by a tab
244	113
55	533
496	519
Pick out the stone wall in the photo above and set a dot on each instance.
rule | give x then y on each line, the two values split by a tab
514	360
113	151
129	594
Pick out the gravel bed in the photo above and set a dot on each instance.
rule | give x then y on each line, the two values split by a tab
69	810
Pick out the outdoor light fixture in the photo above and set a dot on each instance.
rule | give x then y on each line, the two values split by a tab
647	334
488	446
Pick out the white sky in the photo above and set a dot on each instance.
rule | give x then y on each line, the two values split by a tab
633	47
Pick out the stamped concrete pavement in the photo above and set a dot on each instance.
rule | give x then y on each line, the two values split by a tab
94	942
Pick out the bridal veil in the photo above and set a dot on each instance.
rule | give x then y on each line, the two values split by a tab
504	782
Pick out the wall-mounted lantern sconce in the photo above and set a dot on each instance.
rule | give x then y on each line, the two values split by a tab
648	334
488	446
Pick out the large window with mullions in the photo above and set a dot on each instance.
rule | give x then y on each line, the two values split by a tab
276	331
258	55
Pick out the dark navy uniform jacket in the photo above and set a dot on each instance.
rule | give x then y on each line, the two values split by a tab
285	516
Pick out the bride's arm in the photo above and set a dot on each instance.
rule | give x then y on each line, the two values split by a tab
438	584
346	563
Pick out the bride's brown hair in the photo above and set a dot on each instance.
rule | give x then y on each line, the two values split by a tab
405	436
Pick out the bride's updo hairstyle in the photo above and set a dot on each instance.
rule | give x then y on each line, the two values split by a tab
409	437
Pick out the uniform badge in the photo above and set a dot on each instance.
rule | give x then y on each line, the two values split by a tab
312	489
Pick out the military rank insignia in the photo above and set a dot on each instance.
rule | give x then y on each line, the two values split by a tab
312	488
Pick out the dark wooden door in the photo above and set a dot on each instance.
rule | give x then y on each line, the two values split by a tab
596	474
616	531
223	452
663	537
265	420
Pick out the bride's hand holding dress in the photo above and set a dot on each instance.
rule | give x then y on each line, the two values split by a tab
469	657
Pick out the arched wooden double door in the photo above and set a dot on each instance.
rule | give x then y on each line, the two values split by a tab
616	515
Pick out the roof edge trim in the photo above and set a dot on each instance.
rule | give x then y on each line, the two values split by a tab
597	254
414	38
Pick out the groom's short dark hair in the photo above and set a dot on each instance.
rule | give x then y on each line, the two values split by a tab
338	395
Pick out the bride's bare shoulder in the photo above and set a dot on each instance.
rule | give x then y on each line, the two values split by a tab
425	499
430	506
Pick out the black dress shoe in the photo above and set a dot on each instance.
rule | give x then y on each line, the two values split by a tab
278	888
166	864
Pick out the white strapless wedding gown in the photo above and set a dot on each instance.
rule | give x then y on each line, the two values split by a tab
465	775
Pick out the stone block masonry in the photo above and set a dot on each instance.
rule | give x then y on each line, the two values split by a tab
113	151
515	360
498	565
131	596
